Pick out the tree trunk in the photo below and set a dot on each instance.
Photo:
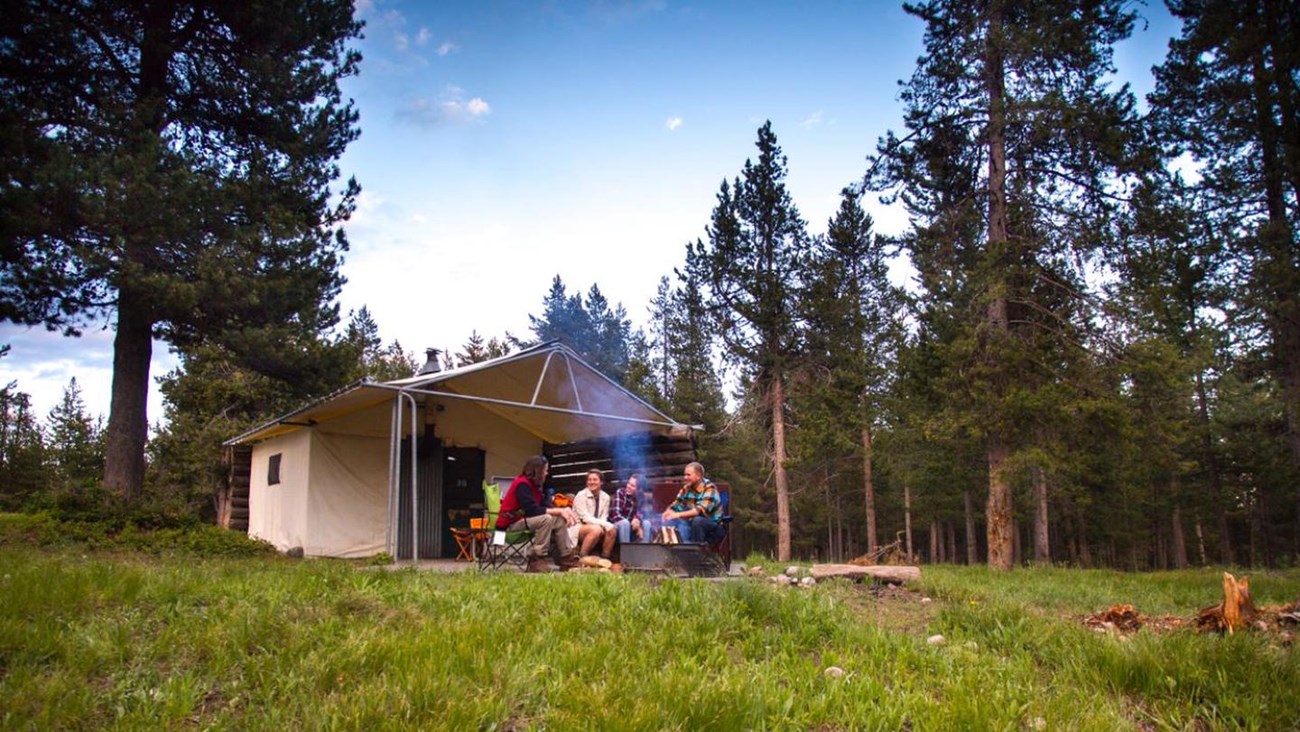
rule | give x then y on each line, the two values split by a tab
1085	555
782	480
1178	540
999	513
870	488
972	547
907	522
1212	466
1001	535
1042	549
936	548
128	422
950	534
1200	543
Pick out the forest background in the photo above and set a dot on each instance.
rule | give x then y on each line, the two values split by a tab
1099	363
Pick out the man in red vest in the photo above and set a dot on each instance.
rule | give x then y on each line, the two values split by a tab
523	506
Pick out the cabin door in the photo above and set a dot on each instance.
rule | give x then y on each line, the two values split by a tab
428	504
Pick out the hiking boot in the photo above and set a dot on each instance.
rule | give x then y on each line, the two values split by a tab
537	566
569	562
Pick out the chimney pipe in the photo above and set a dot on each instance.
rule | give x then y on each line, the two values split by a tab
432	365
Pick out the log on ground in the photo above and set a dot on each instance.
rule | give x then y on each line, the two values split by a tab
893	574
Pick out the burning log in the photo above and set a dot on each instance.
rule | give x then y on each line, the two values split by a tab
1236	610
667	535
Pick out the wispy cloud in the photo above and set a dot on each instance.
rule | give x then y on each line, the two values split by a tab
449	108
447	47
672	123
813	120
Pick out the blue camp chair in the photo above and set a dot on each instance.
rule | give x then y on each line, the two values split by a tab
722	547
500	548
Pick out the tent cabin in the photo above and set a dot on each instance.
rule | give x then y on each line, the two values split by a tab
336	477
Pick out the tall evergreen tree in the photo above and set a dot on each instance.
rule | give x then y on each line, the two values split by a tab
751	266
477	350
694	387
172	166
855	328
599	334
23	474
76	441
1227	94
563	318
1016	92
368	357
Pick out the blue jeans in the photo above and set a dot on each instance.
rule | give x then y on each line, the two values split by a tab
624	529
698	530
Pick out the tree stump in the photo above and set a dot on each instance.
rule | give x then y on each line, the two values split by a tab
1236	610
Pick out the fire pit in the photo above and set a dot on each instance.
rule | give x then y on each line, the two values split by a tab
688	560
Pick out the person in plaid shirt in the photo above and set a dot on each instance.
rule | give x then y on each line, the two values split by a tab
623	512
696	510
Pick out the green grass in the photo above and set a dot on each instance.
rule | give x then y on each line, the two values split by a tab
147	640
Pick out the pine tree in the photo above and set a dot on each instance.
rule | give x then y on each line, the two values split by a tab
1227	94
1009	106
23	474
751	268
76	441
172	169
855	326
594	330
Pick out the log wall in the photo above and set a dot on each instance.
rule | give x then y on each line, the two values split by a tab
653	455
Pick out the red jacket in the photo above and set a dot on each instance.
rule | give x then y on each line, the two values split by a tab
522	500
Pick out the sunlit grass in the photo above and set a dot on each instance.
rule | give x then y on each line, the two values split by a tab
125	642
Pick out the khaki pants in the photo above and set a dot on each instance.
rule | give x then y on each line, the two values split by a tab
546	528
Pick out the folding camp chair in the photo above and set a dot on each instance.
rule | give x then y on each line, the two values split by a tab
722	547
500	548
464	544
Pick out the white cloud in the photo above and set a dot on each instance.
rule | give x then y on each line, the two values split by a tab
422	37
673	123
447	47
813	120
449	108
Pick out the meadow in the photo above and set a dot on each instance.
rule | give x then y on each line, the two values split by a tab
95	638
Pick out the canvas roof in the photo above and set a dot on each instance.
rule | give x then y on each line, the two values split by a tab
547	390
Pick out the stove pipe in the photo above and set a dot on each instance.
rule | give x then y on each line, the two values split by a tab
432	365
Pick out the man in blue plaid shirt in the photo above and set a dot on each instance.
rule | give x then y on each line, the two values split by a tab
697	509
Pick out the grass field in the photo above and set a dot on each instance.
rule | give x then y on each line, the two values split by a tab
131	640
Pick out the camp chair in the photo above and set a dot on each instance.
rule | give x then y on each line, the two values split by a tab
464	543
722	547
500	548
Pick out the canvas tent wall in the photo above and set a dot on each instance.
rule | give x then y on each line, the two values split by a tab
357	472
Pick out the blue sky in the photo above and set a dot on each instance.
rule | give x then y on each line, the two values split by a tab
505	142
